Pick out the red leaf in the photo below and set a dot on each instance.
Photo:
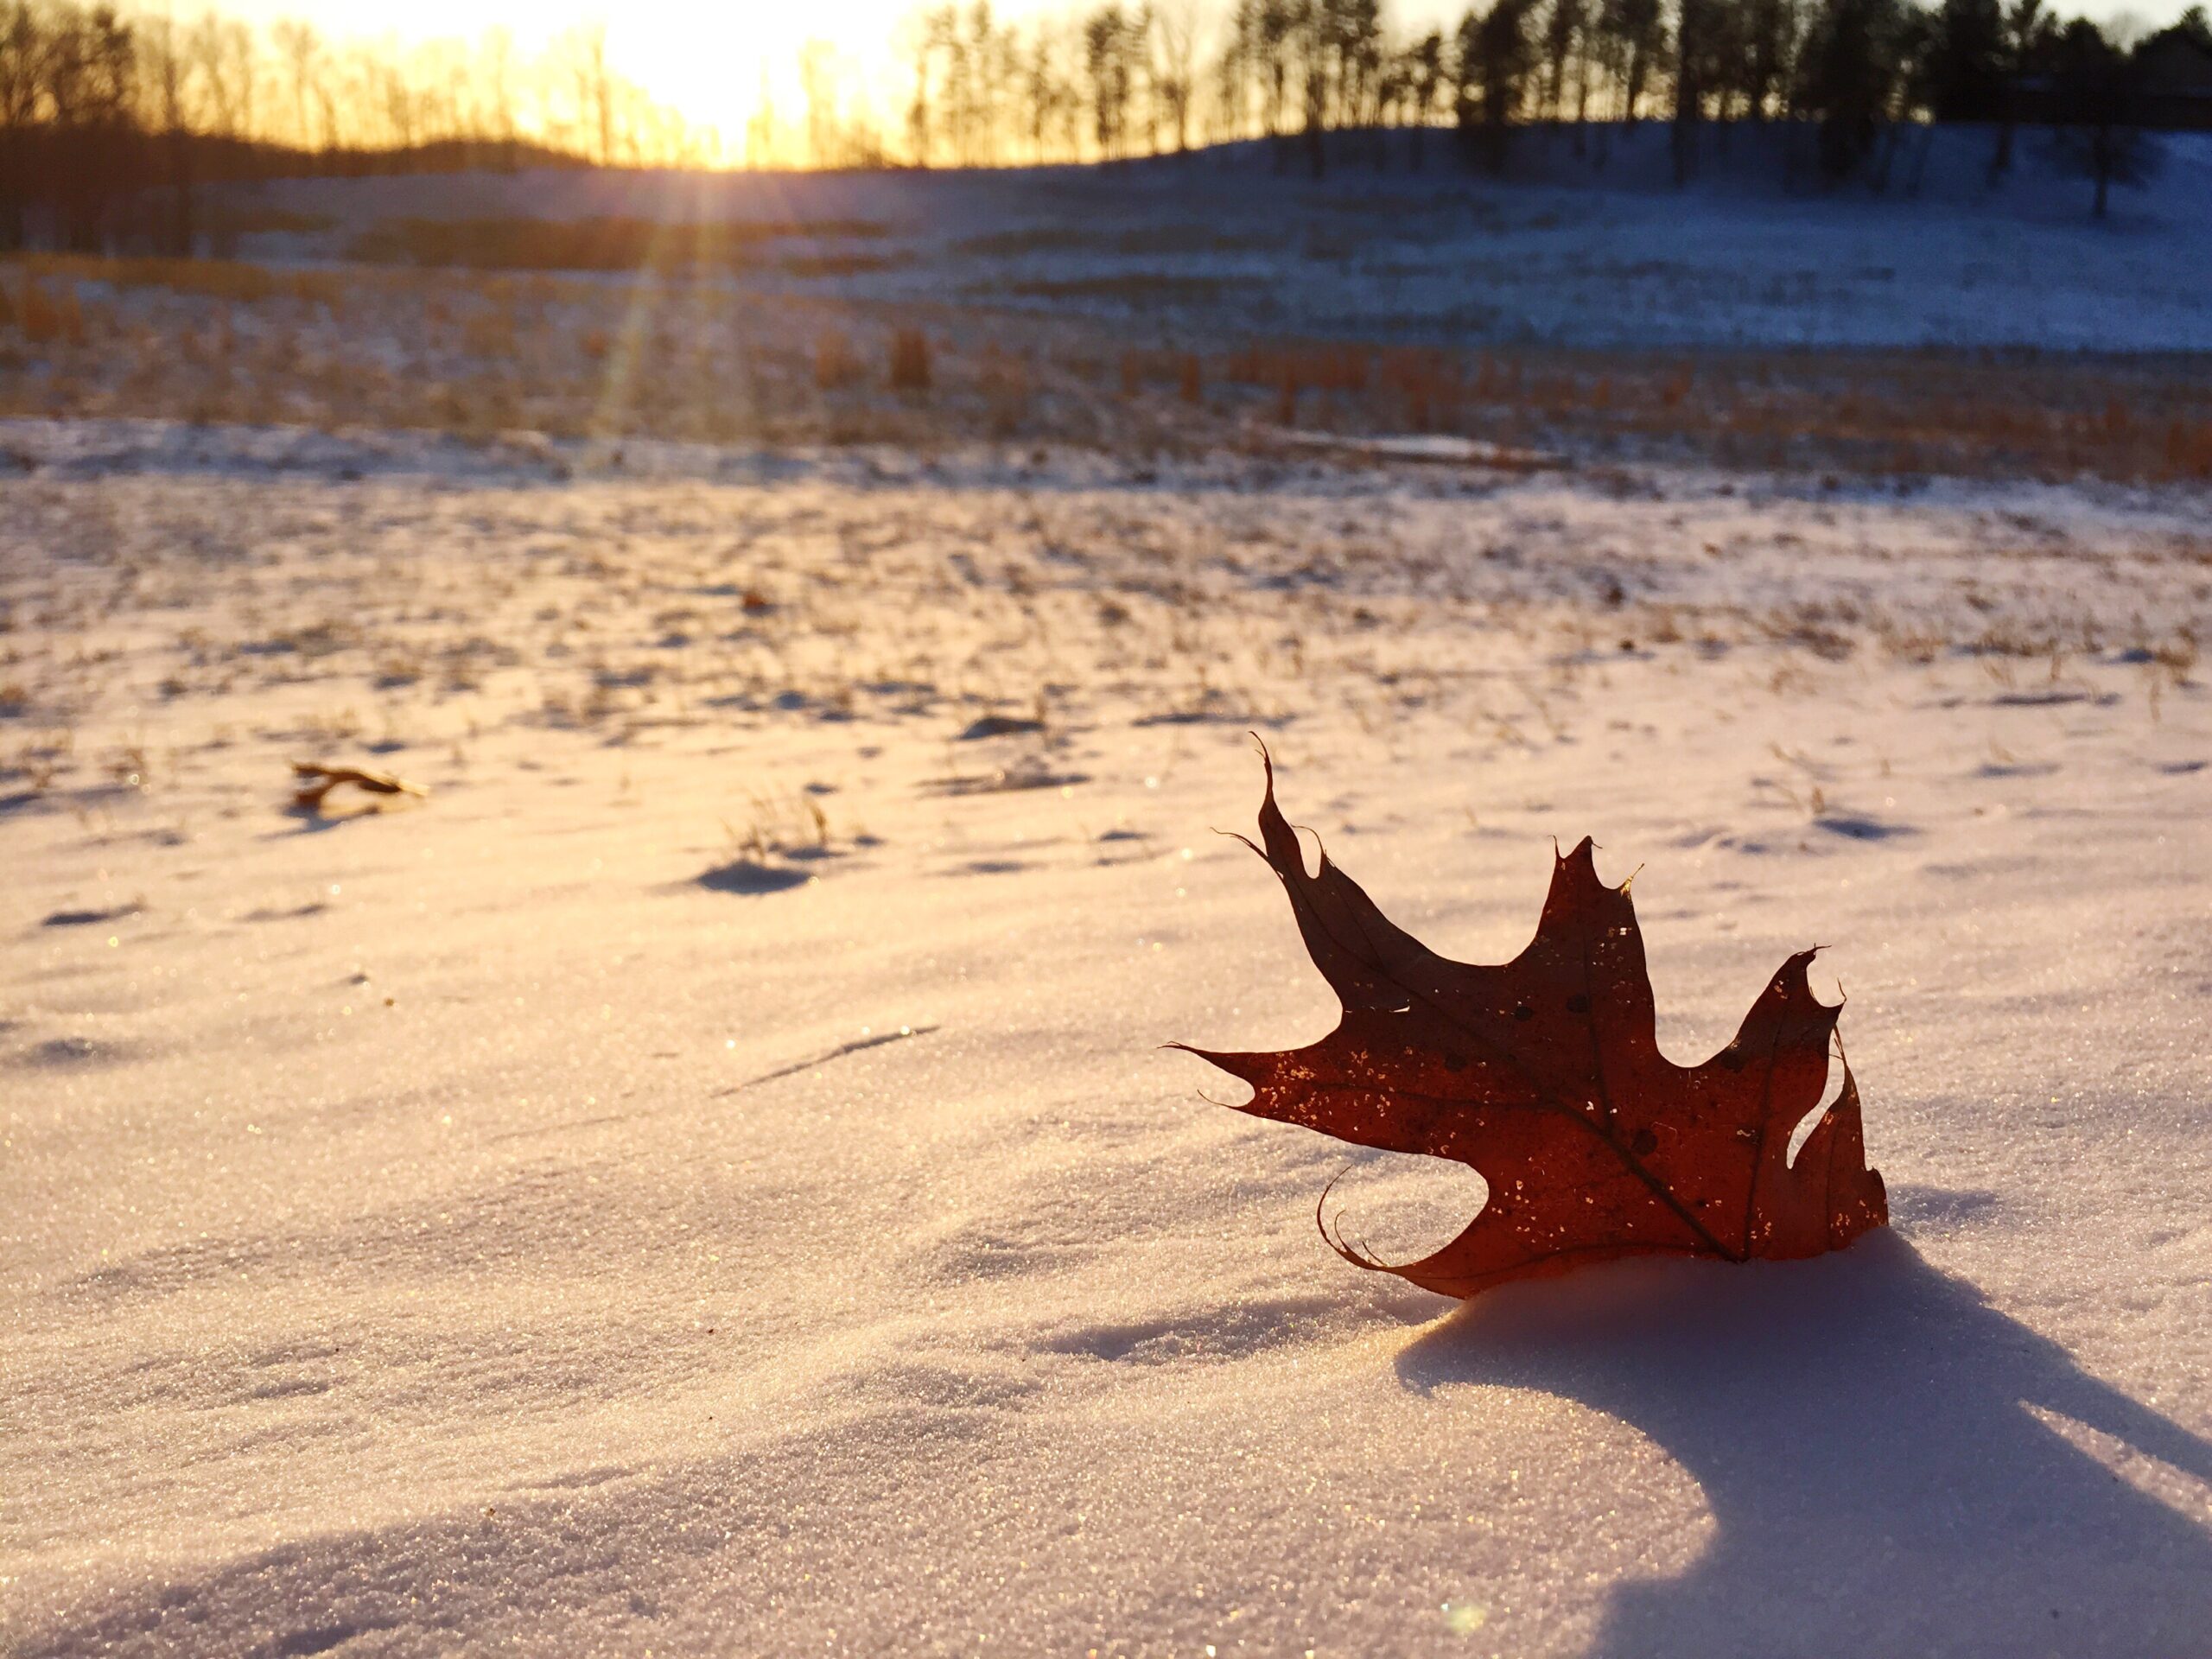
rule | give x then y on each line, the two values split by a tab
1544	1074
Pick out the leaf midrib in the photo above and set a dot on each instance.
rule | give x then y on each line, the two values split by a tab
1547	1098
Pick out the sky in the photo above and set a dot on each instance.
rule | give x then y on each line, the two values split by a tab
710	61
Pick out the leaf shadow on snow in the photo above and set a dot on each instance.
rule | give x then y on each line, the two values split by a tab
1861	1427
321	821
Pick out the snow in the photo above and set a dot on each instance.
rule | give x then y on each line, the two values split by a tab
603	1207
1588	245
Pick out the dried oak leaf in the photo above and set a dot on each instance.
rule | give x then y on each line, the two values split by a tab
1545	1076
317	781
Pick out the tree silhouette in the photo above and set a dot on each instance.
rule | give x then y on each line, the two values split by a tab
2096	93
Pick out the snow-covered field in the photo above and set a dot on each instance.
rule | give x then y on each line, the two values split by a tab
1188	306
705	1180
1582	243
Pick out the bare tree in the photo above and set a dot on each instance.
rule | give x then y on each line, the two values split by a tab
497	59
301	48
1106	67
1309	36
22	67
585	48
1497	57
1175	23
927	37
1634	36
1426	81
1564	27
1049	102
1694	23
1769	31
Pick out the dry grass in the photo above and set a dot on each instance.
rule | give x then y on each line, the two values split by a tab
1190	378
50	317
1185	370
835	364
599	244
1885	414
482	352
1138	290
910	360
811	266
223	279
779	822
1006	386
259	220
612	614
1338	368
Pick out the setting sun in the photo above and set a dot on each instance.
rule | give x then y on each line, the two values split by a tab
866	83
739	70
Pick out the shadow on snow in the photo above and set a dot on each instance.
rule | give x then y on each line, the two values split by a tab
1861	1427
